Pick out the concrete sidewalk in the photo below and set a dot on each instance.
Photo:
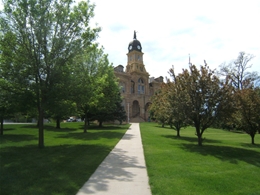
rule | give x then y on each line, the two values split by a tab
123	172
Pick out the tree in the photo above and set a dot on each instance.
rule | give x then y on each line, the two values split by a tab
119	111
110	100
204	97
97	89
160	106
248	109
40	38
237	71
61	110
5	107
176	95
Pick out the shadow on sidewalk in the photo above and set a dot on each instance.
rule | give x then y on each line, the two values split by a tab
121	165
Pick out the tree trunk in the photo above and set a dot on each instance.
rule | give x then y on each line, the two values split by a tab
100	123
199	139
85	123
41	131
58	123
252	138
199	134
178	132
2	126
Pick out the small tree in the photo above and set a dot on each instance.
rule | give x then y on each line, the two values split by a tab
160	106
204	97
178	118
248	108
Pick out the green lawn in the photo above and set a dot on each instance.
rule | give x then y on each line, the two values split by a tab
226	163
62	167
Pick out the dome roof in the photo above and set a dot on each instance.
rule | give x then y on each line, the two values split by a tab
135	44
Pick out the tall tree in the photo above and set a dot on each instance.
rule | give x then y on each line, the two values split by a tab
94	82
109	99
42	37
237	71
5	108
204	97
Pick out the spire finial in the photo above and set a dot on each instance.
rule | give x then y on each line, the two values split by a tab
134	34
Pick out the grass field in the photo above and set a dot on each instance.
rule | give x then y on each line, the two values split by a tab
226	163
62	167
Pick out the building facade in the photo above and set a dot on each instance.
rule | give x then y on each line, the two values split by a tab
137	87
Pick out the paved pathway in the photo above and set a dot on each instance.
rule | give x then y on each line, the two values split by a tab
123	172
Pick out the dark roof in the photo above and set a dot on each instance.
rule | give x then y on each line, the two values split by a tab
135	44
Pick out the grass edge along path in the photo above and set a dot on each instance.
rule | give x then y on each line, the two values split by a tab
226	163
69	158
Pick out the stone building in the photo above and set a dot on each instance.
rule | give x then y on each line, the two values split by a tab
136	86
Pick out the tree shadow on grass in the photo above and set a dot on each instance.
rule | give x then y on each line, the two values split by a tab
93	135
50	128
104	127
226	153
16	138
62	129
191	139
8	129
59	169
32	126
249	145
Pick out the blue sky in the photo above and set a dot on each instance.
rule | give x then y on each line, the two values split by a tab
215	31
170	30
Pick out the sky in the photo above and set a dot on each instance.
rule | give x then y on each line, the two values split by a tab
171	30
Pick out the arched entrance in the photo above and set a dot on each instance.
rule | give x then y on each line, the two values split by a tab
135	109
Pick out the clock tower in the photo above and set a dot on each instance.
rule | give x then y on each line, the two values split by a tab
135	58
136	86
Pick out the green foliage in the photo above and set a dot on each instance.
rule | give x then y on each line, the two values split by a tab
246	97
39	40
96	85
247	115
176	165
62	167
166	107
159	110
199	97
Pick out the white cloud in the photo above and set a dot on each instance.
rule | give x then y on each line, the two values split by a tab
171	30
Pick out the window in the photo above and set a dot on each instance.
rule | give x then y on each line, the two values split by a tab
122	85
141	88
132	87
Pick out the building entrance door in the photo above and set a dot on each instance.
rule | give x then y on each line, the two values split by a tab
136	109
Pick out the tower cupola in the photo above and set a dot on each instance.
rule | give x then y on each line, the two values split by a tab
135	45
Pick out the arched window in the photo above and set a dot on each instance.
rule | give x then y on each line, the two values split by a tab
141	89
